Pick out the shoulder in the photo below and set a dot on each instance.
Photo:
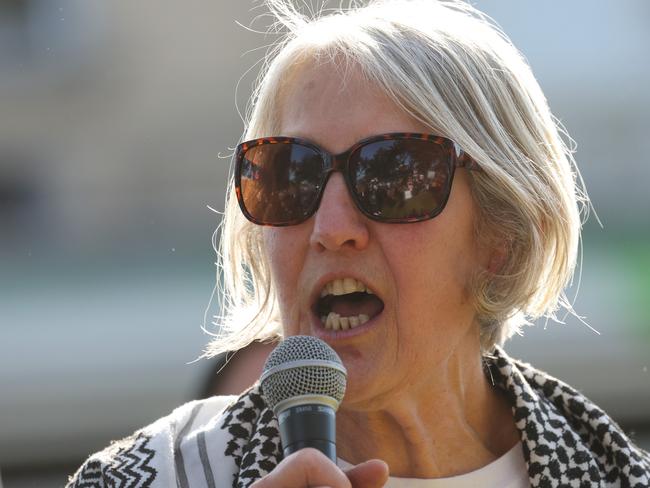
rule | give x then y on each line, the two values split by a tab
566	436
150	456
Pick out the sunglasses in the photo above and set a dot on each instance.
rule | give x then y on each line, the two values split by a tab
393	178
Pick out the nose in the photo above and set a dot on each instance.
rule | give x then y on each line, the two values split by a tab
338	223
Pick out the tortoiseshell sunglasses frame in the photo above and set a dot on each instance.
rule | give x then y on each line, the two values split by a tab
341	162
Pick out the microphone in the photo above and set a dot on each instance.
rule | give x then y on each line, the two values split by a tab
304	382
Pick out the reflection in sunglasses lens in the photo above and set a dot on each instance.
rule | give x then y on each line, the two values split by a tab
280	182
401	179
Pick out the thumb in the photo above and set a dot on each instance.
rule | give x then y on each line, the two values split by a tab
370	474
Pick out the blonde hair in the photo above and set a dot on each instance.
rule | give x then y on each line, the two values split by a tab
448	66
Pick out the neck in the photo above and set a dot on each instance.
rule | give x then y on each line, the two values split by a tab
451	422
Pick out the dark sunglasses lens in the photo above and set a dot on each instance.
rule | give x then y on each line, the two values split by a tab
403	179
280	182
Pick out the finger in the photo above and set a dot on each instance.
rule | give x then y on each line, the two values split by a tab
305	468
371	474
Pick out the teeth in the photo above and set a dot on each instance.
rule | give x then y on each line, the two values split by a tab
345	323
343	287
329	320
338	287
350	284
335	322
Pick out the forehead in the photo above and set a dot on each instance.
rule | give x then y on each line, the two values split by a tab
336	108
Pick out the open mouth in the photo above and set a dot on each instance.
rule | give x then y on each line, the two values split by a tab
346	303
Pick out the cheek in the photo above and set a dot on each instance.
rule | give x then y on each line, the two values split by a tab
285	259
279	264
433	266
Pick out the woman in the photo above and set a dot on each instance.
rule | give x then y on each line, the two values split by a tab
403	194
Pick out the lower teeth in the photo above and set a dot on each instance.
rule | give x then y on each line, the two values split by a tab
335	322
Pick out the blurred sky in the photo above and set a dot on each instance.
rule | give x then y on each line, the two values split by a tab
113	117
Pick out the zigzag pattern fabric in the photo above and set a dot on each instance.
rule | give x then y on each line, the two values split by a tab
127	464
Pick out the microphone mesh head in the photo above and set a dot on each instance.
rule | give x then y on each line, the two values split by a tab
303	365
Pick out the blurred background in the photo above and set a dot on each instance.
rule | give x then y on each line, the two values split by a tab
113	116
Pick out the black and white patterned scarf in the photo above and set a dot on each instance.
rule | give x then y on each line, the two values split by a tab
567	440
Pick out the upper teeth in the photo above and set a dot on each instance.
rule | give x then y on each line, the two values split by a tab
343	286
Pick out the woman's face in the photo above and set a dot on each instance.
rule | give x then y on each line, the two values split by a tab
420	272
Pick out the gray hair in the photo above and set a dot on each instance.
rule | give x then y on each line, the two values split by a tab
449	67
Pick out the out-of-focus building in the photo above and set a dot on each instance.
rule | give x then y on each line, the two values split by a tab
113	116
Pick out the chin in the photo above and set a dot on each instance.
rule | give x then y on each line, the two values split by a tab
363	390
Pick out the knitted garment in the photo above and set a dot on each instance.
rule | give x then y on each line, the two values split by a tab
229	441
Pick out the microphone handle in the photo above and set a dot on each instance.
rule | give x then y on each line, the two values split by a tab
309	425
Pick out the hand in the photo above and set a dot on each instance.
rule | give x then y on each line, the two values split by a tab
311	468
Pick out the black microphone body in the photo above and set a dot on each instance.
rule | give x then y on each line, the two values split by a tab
304	382
309	425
